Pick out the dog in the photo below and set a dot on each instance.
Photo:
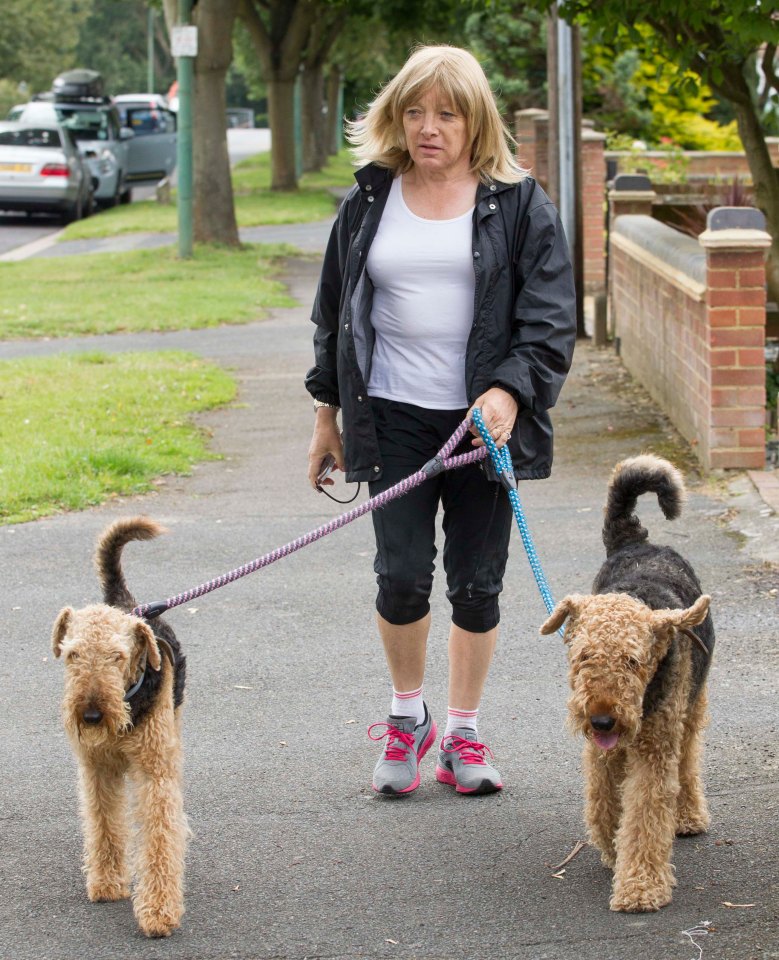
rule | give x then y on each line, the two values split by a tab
639	649
124	687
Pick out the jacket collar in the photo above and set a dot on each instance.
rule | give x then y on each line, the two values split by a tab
373	178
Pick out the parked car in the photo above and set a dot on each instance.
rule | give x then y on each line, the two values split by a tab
152	152
42	170
101	139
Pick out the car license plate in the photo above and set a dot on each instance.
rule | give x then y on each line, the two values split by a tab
16	167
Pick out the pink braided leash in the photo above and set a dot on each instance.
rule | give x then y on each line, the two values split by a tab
442	461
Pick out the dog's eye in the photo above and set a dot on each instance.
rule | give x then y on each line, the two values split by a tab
72	655
634	664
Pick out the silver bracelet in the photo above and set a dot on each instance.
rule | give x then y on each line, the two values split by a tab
323	403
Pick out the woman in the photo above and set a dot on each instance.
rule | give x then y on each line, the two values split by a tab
446	285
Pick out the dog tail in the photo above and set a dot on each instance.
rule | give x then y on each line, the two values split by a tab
109	555
631	478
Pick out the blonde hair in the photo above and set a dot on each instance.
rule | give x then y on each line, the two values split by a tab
378	136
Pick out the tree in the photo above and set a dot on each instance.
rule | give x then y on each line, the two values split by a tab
510	43
37	41
279	30
214	220
113	41
718	41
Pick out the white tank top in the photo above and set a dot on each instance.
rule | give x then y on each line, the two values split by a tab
423	279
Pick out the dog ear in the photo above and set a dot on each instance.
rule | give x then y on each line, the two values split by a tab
60	628
568	607
145	637
683	619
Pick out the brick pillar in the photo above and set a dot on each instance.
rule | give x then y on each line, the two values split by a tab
735	242
593	209
630	194
525	135
541	124
773	148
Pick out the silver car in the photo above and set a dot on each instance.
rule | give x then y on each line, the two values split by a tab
41	170
100	137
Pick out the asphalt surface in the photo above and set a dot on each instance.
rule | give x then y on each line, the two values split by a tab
292	855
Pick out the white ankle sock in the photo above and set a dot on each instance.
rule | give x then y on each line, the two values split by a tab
456	719
409	704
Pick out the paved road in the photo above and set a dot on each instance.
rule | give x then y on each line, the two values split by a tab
292	855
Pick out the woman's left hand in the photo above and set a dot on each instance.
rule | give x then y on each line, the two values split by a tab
499	411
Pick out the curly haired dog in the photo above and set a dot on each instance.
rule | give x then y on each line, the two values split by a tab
124	685
638	674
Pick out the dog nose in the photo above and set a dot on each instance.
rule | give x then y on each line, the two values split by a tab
92	715
602	722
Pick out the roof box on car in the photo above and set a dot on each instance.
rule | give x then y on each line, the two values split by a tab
79	85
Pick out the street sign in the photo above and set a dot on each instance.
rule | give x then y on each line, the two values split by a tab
183	41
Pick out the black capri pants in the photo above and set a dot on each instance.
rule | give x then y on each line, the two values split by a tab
476	522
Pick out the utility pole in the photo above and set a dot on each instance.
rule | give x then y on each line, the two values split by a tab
150	51
184	46
564	83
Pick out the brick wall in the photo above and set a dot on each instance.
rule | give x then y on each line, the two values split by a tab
690	320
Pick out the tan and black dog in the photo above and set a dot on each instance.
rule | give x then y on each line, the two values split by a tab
639	649
124	685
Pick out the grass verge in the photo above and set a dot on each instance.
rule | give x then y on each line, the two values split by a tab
75	430
255	203
140	290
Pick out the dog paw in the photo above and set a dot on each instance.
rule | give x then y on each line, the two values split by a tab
159	923
106	891
690	822
632	898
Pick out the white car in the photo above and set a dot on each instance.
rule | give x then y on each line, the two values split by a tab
42	171
152	151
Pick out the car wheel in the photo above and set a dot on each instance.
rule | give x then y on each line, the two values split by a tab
75	211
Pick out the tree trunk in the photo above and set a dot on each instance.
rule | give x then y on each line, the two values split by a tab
314	119
765	179
281	102
334	121
214	220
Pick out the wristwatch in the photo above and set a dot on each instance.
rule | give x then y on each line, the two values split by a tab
324	403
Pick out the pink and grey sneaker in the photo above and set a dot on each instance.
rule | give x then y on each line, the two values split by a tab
397	771
461	764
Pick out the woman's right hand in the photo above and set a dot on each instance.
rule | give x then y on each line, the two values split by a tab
325	441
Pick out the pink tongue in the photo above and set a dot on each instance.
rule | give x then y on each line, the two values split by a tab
606	740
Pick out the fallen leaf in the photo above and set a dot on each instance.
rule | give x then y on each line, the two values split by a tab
350	721
560	875
394	942
237	886
737	906
238	686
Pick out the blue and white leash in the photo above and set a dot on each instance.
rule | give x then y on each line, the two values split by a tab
504	468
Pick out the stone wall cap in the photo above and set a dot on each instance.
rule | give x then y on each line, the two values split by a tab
588	134
735	239
632	195
735	218
531	112
678	250
632	181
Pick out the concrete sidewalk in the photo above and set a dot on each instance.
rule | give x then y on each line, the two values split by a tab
293	856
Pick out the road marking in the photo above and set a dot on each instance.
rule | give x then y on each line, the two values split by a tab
30	249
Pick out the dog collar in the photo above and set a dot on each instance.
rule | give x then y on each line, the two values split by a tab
166	648
129	694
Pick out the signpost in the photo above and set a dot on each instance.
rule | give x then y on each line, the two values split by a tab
184	48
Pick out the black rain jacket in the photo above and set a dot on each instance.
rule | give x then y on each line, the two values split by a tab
524	321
